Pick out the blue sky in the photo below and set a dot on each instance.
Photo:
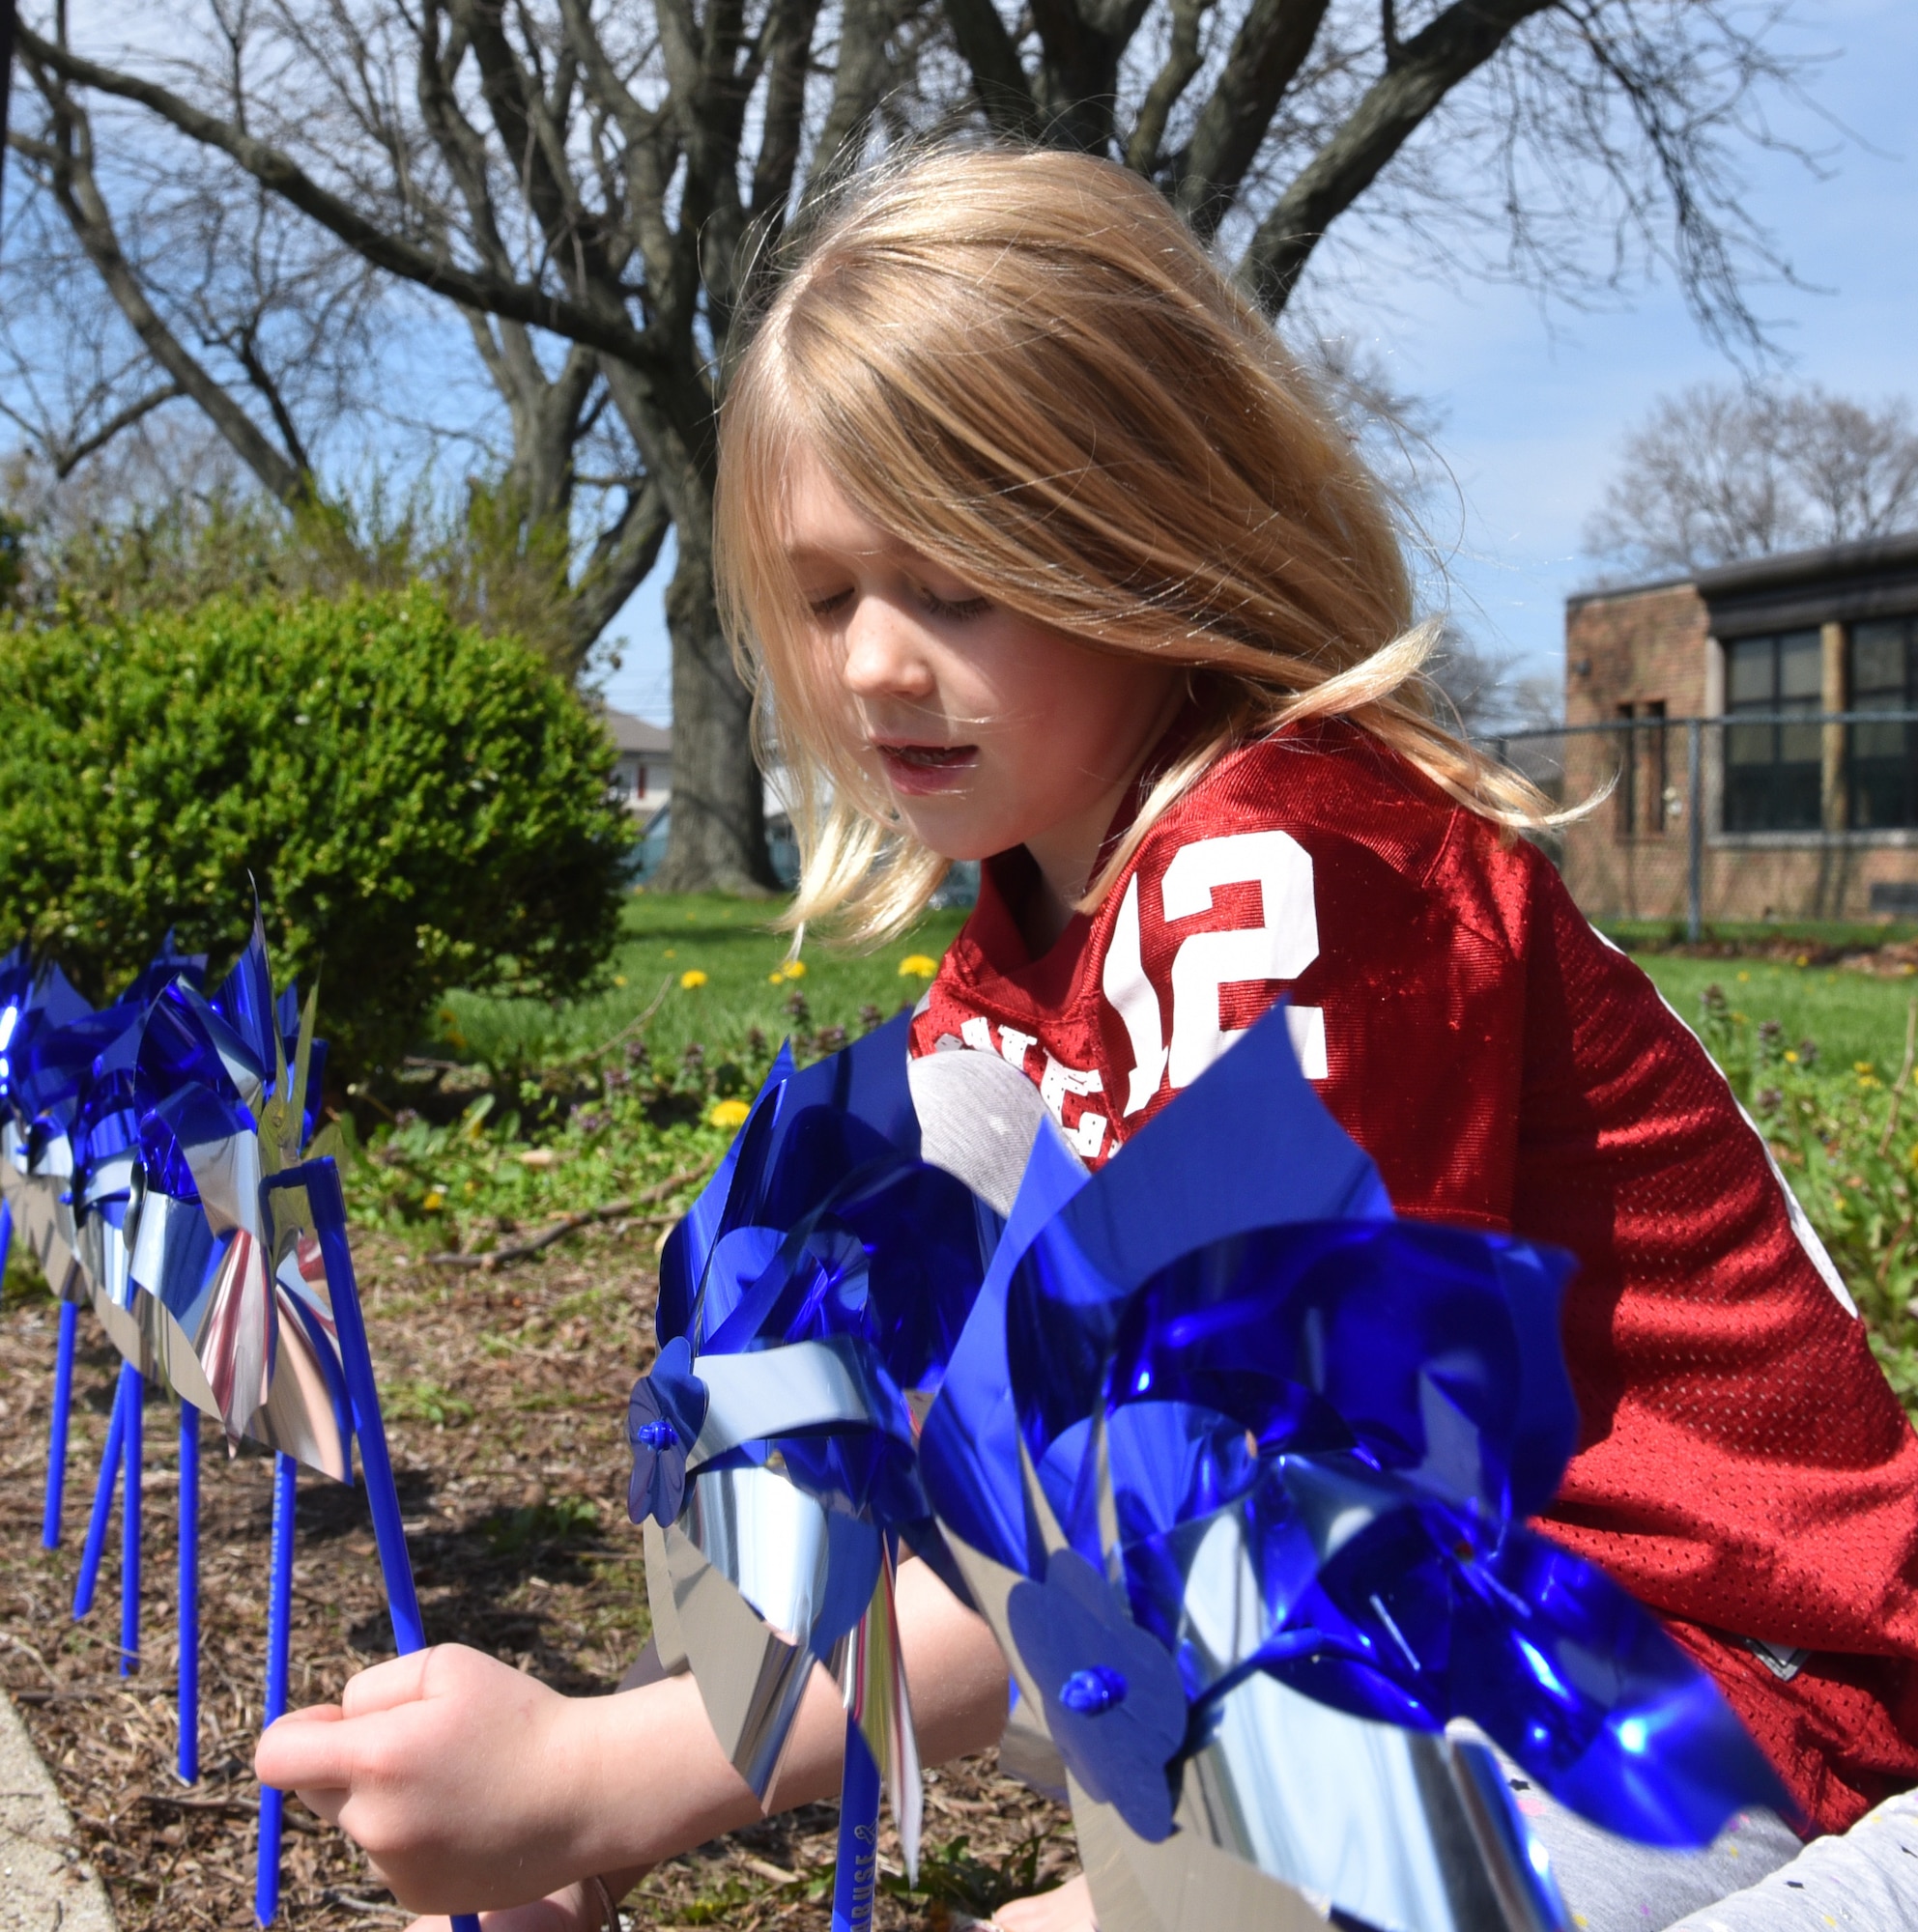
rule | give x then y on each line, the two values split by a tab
1535	405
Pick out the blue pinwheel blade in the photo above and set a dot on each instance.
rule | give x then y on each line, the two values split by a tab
688	1249
1249	1145
1408	1334
245	999
167	965
1564	1670
1191	1175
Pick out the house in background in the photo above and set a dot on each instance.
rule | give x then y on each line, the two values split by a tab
643	774
1799	820
643	778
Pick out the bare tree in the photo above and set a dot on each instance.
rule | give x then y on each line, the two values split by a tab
604	174
1718	475
143	273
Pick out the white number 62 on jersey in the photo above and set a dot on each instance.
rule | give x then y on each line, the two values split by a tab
1284	943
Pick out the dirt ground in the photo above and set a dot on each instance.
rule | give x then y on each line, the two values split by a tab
504	1397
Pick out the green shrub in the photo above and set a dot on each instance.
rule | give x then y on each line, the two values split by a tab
419	807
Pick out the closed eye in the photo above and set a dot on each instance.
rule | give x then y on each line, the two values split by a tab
824	607
952	609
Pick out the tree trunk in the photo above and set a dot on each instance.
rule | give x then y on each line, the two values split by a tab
718	837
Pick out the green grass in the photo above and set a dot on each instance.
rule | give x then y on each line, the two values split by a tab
1852	1016
728	940
1859	935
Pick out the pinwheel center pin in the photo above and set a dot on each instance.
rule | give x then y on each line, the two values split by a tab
657	1436
1093	1691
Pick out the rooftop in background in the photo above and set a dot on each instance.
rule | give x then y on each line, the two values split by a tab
635	734
1890	562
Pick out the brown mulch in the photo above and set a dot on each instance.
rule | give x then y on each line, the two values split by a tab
504	1396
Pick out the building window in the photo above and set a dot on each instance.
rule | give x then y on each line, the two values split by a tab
1626	798
1641	794
1652	766
1881	760
1772	769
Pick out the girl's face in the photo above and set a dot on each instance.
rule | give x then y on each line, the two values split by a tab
989	731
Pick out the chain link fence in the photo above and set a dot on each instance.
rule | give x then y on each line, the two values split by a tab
1756	815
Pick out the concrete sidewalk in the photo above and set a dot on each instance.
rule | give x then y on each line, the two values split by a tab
41	1888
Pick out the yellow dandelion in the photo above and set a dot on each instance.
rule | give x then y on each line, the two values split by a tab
434	1202
1743	978
1861	1066
692	979
917	966
728	1114
794	969
775	979
618	979
1790	1053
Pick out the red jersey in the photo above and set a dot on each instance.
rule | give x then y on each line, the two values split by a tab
1743	1468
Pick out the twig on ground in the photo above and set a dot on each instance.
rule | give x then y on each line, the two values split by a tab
224	1807
1900	1086
613	1210
371	1907
631	1026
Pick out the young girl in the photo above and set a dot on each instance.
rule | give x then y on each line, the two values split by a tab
1044	555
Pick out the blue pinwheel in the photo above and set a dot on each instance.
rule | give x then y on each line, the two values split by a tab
63	1129
223	1091
154	1149
809	1302
1240	1481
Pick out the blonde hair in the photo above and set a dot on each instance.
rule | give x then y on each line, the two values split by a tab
1023	366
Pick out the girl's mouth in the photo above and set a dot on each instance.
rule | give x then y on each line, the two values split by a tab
927	768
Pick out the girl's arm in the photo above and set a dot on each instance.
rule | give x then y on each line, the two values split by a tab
471	1785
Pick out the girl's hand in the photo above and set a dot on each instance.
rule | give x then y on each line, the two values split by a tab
1069	1909
473	1786
456	1772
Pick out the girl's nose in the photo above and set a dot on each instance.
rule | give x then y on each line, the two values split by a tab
882	658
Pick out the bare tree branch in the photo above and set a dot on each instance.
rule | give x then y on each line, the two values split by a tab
75	189
1183	62
596	326
1429	64
993	60
1266	52
69	457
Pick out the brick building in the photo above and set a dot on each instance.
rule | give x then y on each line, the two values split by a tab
1799	820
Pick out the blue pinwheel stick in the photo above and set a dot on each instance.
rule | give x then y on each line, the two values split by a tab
111	1459
56	1439
188	1763
856	1877
327	1206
